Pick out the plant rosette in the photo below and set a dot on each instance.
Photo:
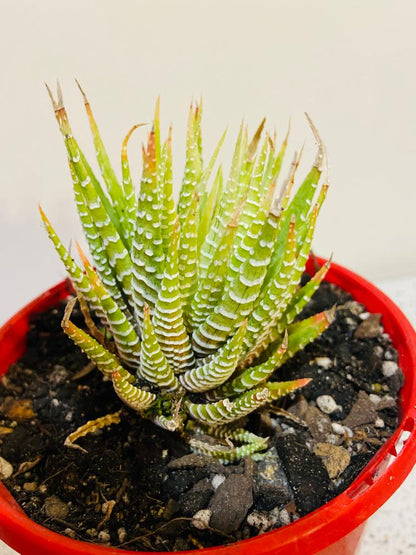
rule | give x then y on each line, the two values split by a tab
192	313
335	527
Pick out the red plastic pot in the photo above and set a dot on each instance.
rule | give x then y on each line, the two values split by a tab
333	529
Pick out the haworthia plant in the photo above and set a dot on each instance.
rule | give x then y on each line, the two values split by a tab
195	304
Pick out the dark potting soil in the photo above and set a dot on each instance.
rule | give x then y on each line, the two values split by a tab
140	488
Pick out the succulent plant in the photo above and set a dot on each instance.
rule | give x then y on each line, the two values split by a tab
196	304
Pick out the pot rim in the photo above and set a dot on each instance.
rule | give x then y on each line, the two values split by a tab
373	486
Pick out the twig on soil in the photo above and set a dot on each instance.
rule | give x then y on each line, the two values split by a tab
57	473
278	411
122	489
84	371
109	506
65	523
166	524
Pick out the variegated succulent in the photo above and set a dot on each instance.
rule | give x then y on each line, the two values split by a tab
196	303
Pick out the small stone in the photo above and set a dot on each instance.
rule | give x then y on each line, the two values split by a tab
69	416
201	519
350	322
197	497
104	536
91	532
59	375
306	473
379	423
261	520
30	486
217	480
335	458
364	315
395	382
390	354
56	508
338	428
318	423
122	534
327	404
375	399
231	503
362	412
334	439
287	428
356	308
386	402
6	469
181	480
271	486
389	368
323	362
196	460
370	327
70	533
348	431
379	351
284	517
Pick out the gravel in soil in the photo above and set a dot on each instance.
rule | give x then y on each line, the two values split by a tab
138	487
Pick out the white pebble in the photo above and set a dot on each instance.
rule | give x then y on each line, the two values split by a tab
287	428
261	521
379	423
375	399
201	519
217	480
324	362
327	404
273	423
389	368
104	536
284	516
122	534
348	431
71	533
364	315
69	416
378	351
333	439
6	469
338	428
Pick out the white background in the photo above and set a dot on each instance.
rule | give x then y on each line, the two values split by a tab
351	65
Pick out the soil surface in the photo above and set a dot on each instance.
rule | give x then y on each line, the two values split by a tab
140	488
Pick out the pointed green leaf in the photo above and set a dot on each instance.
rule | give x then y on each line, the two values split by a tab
215	372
